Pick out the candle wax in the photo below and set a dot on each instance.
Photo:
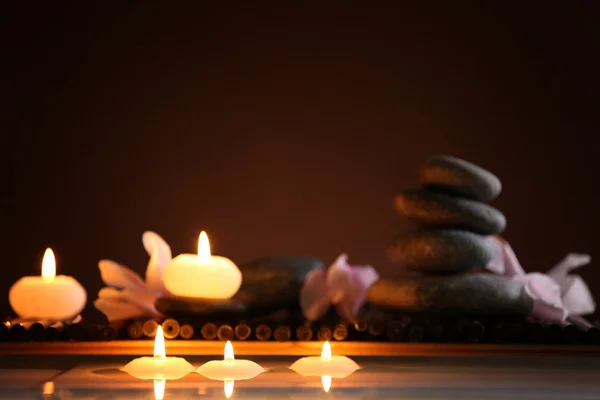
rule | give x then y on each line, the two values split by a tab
202	275
230	369
160	366
326	365
47	297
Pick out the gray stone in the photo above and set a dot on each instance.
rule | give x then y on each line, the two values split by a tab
186	306
452	175
271	283
477	294
442	251
443	211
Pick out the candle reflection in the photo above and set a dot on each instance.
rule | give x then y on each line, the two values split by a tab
228	388
326	381
159	389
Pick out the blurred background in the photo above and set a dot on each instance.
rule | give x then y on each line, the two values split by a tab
287	129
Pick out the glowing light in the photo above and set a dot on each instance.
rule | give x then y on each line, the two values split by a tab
203	247
48	388
228	354
326	381
228	388
159	389
159	343
48	266
326	352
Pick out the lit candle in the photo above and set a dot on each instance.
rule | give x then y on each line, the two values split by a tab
230	370
326	366
202	275
159	367
47	297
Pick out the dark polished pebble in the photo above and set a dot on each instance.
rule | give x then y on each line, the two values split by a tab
554	334
442	211
53	334
434	332
441	250
273	283
453	175
479	294
572	334
361	326
191	307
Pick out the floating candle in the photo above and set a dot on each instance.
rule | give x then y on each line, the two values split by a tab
202	275
230	369
325	366
160	366
47	297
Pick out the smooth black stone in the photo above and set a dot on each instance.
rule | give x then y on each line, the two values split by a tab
476	294
396	331
452	175
75	332
443	211
52	334
444	250
434	332
273	283
592	336
186	306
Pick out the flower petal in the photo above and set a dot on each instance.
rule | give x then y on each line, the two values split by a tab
118	276
160	255
314	295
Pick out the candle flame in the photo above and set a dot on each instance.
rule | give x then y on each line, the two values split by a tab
159	343
159	389
48	388
203	247
48	266
326	352
326	381
228	388
228	352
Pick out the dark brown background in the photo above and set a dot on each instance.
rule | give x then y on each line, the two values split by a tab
287	130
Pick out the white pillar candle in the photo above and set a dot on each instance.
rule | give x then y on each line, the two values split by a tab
159	367
202	275
47	297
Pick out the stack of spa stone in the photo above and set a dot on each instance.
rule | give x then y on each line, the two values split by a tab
453	244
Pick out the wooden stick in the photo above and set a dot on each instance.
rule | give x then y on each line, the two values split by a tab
296	348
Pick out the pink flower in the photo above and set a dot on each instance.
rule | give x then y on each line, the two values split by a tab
342	285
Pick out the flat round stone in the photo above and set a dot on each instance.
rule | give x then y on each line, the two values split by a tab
273	283
443	251
452	175
477	294
440	210
186	306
